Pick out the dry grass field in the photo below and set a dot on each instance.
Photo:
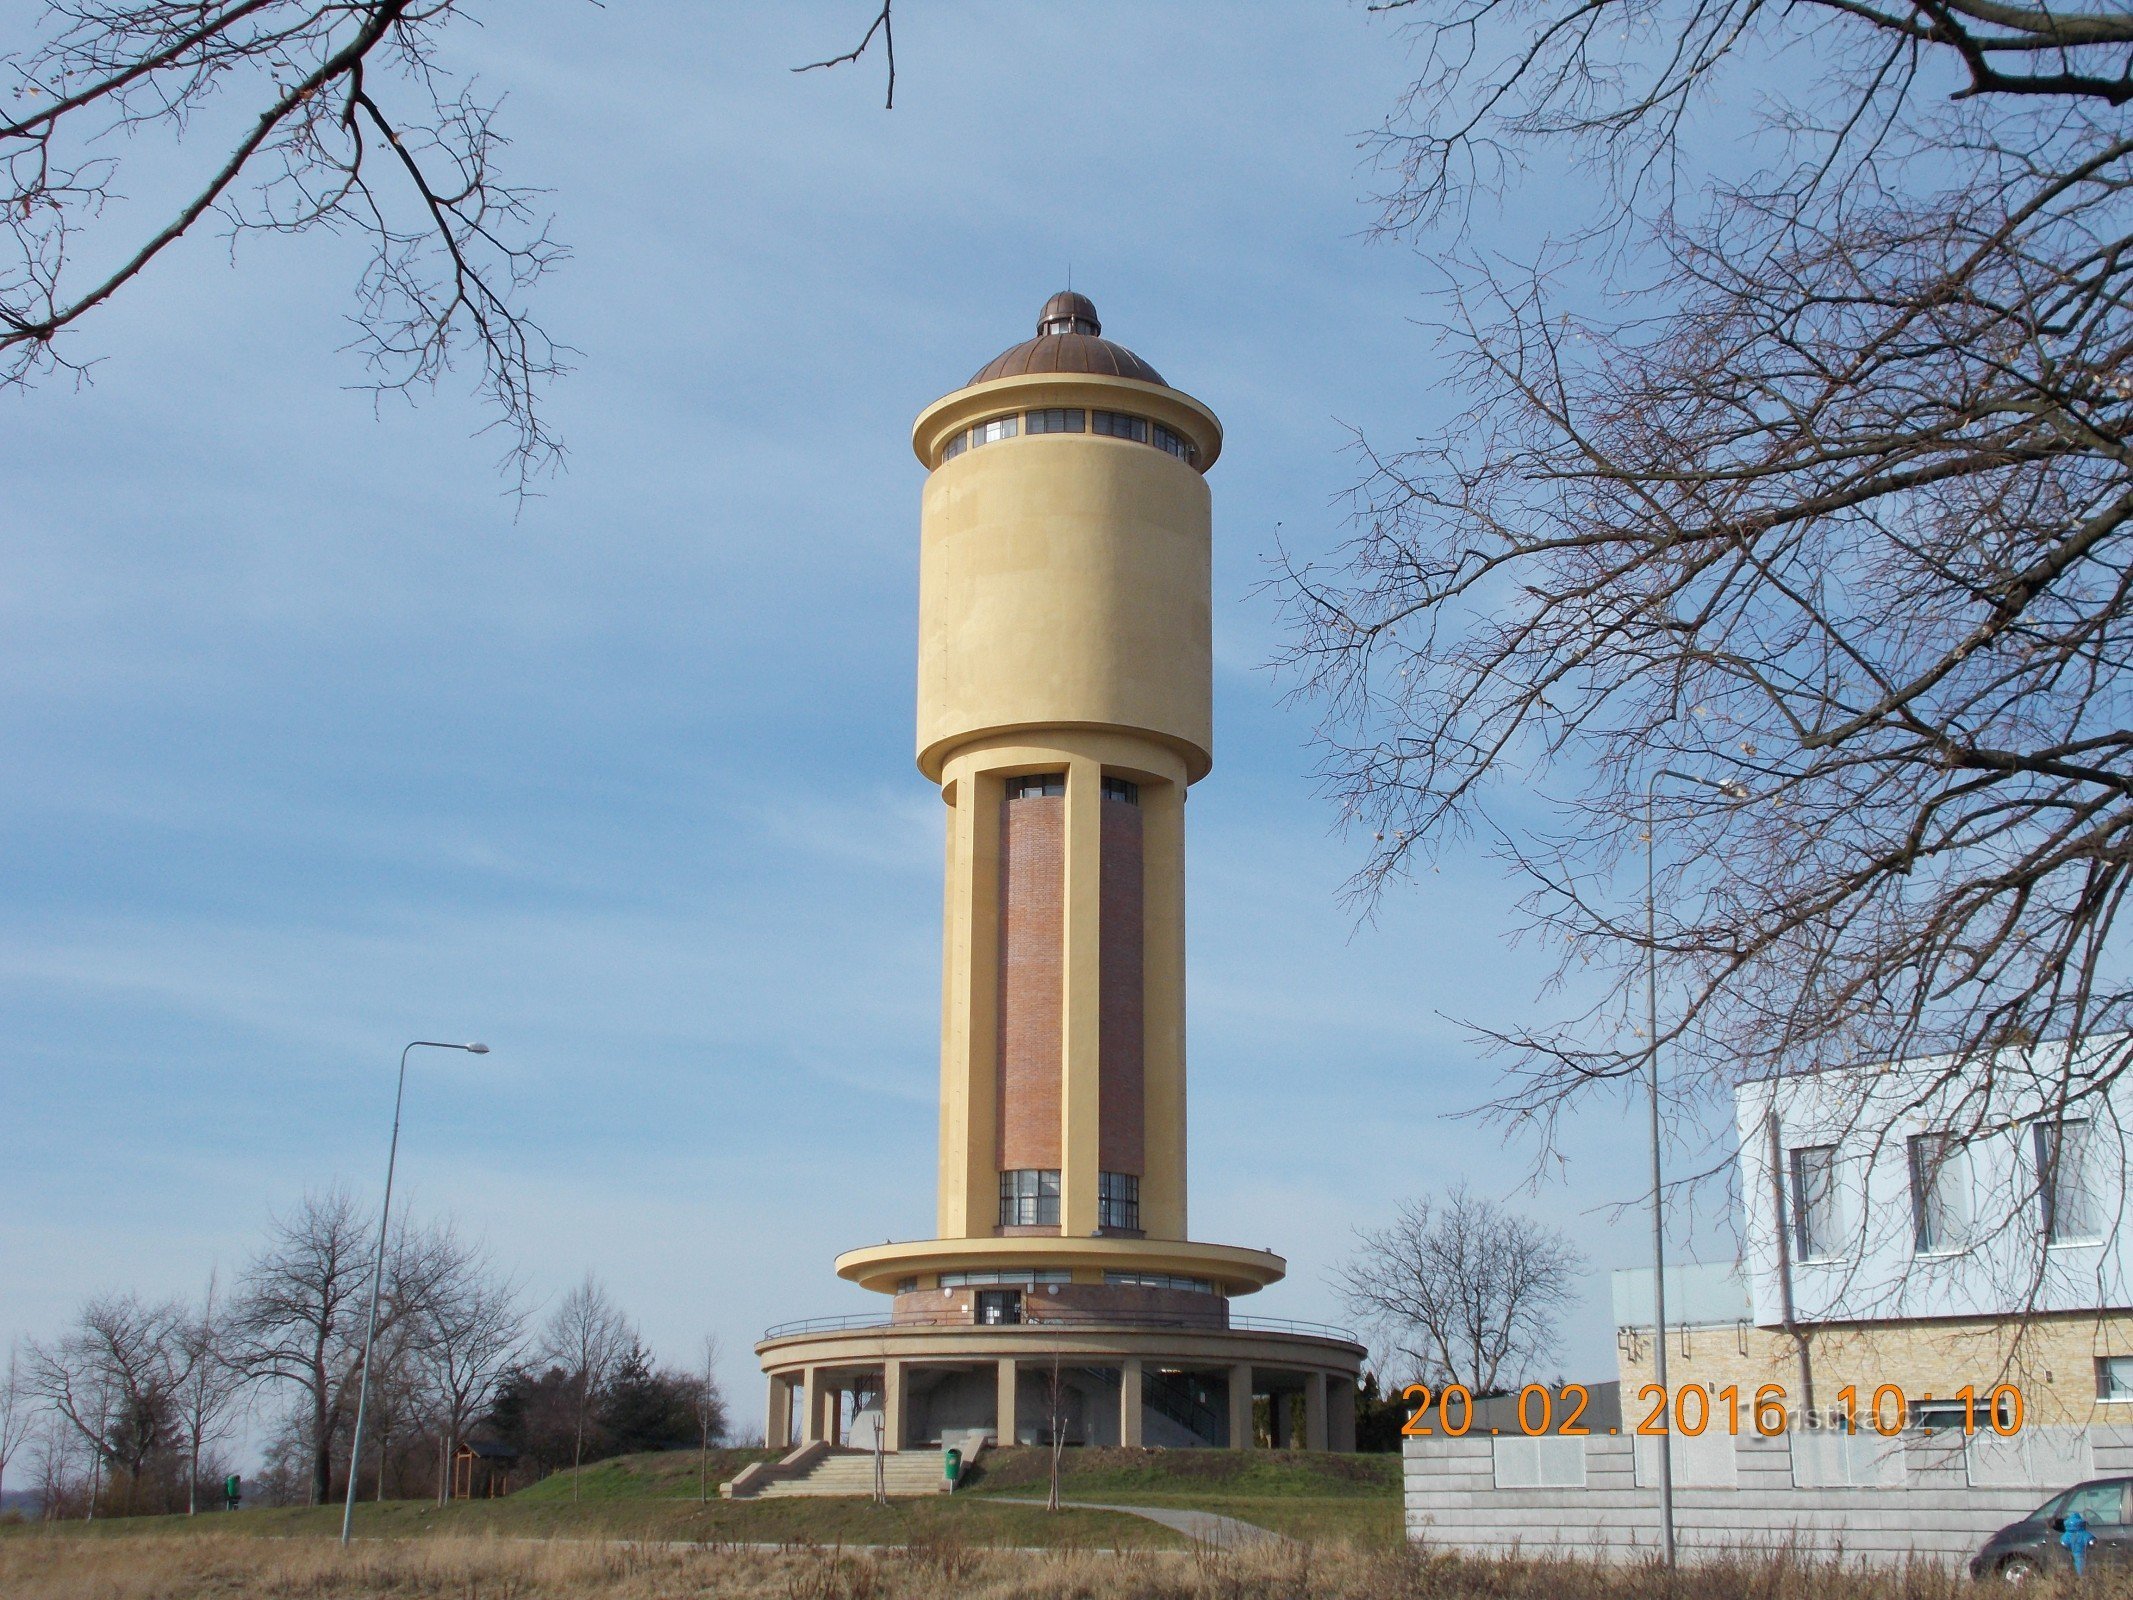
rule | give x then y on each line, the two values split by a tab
222	1566
635	1529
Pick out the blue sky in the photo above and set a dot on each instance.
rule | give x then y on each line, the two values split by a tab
314	748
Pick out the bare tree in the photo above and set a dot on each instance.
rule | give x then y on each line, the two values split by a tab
881	1440
54	1445
397	1400
466	1335
1804	469
206	1385
17	1416
710	1400
586	1336
300	1317
299	1321
111	1379
1461	1289
1056	1406
315	115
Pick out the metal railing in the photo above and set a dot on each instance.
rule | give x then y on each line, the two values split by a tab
1060	1318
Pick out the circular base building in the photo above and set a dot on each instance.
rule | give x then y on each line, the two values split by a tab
1065	706
1086	1342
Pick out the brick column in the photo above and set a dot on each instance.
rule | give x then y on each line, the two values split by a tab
1240	1408
1003	1423
1315	1411
1129	1402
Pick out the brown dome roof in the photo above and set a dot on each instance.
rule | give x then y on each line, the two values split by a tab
1069	339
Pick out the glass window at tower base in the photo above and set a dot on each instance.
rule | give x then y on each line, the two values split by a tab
1118	1200
1029	1198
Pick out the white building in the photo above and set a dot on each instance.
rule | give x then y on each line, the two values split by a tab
1911	1192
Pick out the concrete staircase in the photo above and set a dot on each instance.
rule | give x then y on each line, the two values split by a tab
819	1469
904	1473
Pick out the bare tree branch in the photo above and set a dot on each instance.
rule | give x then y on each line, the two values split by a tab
1820	483
302	94
887	29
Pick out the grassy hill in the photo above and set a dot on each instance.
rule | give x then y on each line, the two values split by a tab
1353	1499
660	1475
1304	1494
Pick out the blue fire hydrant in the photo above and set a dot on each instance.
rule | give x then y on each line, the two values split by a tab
2077	1540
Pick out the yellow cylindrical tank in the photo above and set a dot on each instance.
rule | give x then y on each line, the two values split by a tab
1063	577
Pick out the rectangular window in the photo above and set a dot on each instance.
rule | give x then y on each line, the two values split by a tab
1174	443
1934	1415
1031	1276
2114	1377
1120	789
956	446
2066	1182
1036	786
1940	1194
1056	420
1814	1203
1119	426
1118	1200
1029	1198
998	428
999	1308
1157	1280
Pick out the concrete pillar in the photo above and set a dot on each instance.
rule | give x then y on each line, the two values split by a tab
1129	1402
970	1022
777	1414
1003	1417
1315	1411
1340	1415
811	1405
893	1390
1240	1408
1081	980
1163	1008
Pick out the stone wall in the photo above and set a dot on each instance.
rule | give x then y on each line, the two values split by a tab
1930	1511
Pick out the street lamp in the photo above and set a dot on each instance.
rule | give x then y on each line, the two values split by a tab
1732	791
377	1272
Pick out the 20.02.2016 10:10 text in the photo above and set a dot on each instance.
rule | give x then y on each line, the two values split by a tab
1694	1408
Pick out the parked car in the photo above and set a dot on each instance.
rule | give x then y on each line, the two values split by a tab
2031	1547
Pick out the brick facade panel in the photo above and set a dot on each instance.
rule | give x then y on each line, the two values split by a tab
1120	1029
2052	1358
1032	955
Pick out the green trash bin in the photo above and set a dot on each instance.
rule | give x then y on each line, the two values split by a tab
952	1467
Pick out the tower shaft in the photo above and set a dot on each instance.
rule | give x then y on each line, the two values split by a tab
1063	1038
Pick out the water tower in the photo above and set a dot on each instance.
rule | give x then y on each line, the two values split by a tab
1064	710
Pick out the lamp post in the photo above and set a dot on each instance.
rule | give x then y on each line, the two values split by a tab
1732	791
377	1272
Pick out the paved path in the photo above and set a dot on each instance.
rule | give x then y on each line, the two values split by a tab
1203	1527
